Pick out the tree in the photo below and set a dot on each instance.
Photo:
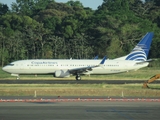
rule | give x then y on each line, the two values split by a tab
3	50
48	29
29	7
3	9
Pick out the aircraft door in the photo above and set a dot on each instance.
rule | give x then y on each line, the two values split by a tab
21	66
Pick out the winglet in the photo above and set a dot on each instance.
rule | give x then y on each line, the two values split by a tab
96	57
103	60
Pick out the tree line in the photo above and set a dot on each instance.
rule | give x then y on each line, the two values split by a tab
36	29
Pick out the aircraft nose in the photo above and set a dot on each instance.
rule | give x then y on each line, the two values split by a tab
4	69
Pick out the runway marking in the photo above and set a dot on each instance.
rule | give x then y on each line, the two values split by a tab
80	100
126	116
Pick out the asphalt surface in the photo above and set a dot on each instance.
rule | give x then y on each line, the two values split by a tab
73	81
77	110
80	111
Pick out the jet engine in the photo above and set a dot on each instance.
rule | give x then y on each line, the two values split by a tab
61	74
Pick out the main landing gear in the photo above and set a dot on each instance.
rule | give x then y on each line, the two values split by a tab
17	76
78	77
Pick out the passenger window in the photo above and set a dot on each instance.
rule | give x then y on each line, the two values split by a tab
11	64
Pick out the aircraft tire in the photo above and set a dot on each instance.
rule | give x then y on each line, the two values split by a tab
78	77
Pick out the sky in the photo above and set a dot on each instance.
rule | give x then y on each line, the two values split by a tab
86	3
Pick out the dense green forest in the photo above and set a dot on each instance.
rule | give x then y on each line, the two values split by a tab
35	29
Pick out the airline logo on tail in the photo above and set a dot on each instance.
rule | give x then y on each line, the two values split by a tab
140	52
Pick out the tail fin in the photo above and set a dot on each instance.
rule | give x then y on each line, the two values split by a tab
141	50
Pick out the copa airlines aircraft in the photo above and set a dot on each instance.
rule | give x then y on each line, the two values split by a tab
60	68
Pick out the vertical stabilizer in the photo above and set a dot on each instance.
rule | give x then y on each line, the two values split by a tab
141	50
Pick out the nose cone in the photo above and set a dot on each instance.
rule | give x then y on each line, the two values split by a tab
4	68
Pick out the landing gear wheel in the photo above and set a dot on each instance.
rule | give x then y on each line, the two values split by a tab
78	77
18	78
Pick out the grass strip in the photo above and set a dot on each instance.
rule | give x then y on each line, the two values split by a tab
125	90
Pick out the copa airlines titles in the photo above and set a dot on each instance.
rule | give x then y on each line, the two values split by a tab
42	62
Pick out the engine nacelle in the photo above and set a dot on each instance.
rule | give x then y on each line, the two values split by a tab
61	74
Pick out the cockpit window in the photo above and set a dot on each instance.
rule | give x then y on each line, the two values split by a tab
11	64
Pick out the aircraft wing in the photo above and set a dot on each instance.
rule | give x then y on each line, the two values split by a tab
86	69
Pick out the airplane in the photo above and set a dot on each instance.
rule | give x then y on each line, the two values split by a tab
61	68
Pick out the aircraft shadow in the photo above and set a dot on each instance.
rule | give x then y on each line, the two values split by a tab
154	88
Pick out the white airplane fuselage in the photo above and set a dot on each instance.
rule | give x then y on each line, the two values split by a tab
45	66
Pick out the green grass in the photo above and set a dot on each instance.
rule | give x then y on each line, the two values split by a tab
105	90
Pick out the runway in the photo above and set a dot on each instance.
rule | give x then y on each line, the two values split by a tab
74	81
79	110
73	108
